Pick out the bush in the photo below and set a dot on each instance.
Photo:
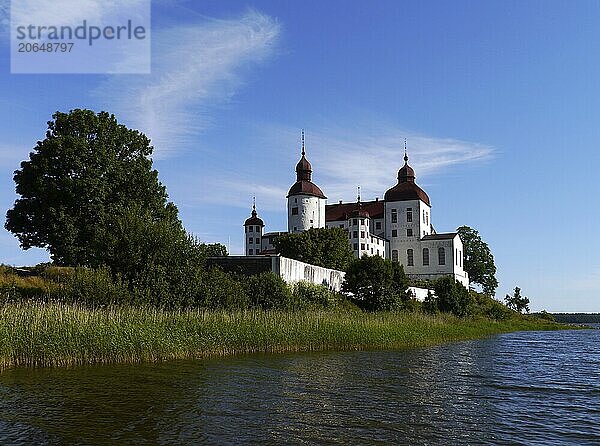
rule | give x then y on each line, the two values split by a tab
311	295
376	284
95	287
269	291
220	290
451	297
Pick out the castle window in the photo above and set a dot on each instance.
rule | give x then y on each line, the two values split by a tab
410	257
426	218
257	240
394	233
355	234
362	246
251	228
294	211
311	221
356	246
295	228
394	216
250	251
395	255
378	225
295	200
250	240
258	229
409	215
362	234
371	251
425	256
355	222
441	256
423	214
409	232
341	226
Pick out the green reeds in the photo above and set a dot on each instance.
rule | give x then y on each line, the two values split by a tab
59	334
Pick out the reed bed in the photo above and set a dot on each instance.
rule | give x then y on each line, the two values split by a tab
57	334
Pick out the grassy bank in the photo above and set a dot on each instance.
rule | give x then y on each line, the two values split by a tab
58	334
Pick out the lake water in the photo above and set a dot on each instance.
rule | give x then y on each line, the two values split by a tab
522	388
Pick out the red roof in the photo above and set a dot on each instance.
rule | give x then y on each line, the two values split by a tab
305	187
336	212
406	189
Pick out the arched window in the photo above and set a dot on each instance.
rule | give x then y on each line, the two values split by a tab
395	255
441	256
410	257
425	256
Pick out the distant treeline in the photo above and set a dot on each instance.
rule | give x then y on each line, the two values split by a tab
577	318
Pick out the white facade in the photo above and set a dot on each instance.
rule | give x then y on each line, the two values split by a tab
397	228
305	212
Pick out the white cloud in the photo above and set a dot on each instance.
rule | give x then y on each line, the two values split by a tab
195	67
341	160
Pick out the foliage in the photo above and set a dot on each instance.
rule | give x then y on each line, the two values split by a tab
545	315
517	302
450	297
478	260
220	290
377	284
314	296
326	247
95	287
88	169
489	307
269	291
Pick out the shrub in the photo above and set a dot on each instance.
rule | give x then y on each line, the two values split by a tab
269	291
312	295
376	284
452	297
220	290
95	287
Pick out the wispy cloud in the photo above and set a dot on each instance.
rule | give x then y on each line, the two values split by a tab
344	158
341	158
194	68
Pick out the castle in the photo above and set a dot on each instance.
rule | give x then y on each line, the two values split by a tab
399	227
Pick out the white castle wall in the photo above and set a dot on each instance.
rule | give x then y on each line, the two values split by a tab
293	271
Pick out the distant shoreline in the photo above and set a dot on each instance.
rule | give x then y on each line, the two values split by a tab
34	334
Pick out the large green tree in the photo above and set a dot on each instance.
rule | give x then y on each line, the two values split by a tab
326	247
87	170
478	260
377	284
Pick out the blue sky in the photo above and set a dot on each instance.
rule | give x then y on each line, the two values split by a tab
498	101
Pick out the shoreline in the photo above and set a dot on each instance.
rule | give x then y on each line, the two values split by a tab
34	334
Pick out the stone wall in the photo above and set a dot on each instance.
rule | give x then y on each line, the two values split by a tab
290	270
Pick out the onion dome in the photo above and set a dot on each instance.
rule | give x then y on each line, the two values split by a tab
254	220
406	189
304	184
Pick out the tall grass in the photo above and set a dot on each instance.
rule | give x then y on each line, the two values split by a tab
60	334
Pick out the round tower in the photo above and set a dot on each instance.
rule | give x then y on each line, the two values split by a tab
253	228
306	202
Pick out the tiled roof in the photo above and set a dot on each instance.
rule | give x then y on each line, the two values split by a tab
336	212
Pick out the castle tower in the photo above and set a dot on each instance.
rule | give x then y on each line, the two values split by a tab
306	202
253	228
407	215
